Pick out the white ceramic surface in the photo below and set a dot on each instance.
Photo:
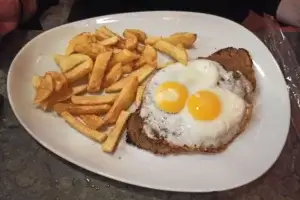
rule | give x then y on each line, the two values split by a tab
250	155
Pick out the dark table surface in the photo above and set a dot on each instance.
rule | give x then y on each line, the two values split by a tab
30	172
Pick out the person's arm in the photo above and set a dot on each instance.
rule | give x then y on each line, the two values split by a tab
14	13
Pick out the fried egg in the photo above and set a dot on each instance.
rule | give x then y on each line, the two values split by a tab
198	105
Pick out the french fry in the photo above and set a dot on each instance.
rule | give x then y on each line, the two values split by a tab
142	73
100	35
152	40
140	48
67	63
141	35
149	56
36	80
124	100
124	57
107	31
94	100
59	79
116	50
173	51
114	137
73	122
165	64
127	68
131	40
81	110
79	89
109	41
113	75
139	95
180	46
79	39
92	121
80	71
91	49
45	89
186	39
98	71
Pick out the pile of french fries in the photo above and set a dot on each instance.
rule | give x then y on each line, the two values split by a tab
101	76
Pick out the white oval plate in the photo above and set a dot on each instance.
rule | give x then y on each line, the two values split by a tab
247	158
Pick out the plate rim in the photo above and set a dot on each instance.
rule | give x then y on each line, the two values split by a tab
120	179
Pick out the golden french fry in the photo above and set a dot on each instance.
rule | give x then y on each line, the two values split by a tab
94	100
165	64
83	38
186	39
67	63
149	56
113	138
36	80
98	71
91	49
80	71
107	31
73	122
180	46
127	68
116	50
59	79
173	51
140	48
124	57
45	89
56	96
92	121
124	100
100	35
142	73
141	35
131	40
109	41
79	89
81	110
152	40
139	95
113	75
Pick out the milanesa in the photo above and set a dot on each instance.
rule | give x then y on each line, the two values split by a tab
236	60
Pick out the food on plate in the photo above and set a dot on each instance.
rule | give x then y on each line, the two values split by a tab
139	95
141	74
124	100
114	136
67	63
44	89
149	56
178	54
98	71
92	121
94	100
131	40
202	107
81	109
113	75
124	56
105	79
79	71
36	80
141	35
184	39
91	133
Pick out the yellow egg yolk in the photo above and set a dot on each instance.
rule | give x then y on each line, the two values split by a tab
171	97
204	105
